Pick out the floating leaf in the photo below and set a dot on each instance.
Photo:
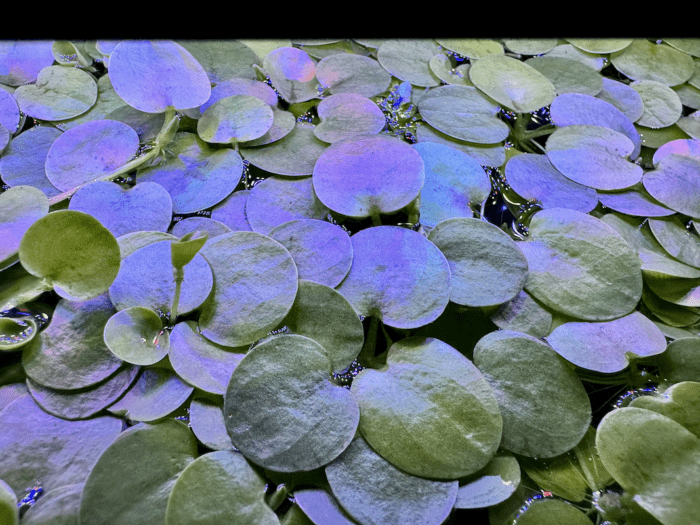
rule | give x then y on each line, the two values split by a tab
197	176
690	147
594	156
293	156
669	313
397	275
153	75
133	478
207	423
145	207
225	477
601	46
676	239
530	46
36	447
156	393
441	65
409	60
231	211
674	184
681	402
534	177
484	154
431	413
10	392
634	201
472	47
454	182
579	109
202	363
607	347
680	360
15	333
59	93
623	97
145	279
72	158
9	513
278	200
560	475
293	73
223	59
512	83
545	408
662	107
573	261
60	506
347	115
235	119
552	512
293	393
203	224
22	60
321	251
86	402
136	335
643	60
523	314
568	76
22	163
464	113
368	175
107	102
427	502
283	124
20	207
131	242
348	73
568	51
322	314
256	282
9	112
654	458
321	507
486	266
240	86
70	353
491	485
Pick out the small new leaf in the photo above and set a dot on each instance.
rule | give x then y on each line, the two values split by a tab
184	250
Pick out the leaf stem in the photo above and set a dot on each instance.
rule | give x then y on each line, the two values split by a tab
179	274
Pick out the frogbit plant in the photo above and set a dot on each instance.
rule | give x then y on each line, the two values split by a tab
362	281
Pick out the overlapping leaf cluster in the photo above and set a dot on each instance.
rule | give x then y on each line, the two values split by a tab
333	310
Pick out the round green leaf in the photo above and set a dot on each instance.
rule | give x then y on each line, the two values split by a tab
346	115
232	211
152	75
59	93
136	335
486	266
491	485
681	402
223	59
85	402
594	156
324	315
207	423
464	113
636	202
133	478
256	283
409	60
662	107
397	275
676	239
579	109
545	408
156	393
9	112
293	73
368	175
534	177
22	60
145	207
39	449
512	83
573	261
349	73
454	181
430	413
234	119
60	506
689	147
8	393
523	314
601	46
393	496
644	60
22	163
321	507
202	224
623	97
568	76
9	513
197	176
680	360
72	158
484	154
201	363
281	410
15	333
472	47
131	242
441	65
607	347
530	46
655	458
293	156
552	512
70	353
20	207
240	86
107	102
223	476
283	124
674	183
321	251
574	53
